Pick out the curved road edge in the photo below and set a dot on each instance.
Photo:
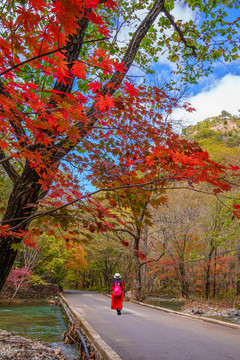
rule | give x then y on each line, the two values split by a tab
219	322
105	351
214	321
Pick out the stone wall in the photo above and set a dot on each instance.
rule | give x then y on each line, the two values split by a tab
97	348
31	292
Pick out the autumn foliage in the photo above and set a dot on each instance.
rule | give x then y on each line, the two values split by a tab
66	104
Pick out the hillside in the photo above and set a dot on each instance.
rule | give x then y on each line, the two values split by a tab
219	136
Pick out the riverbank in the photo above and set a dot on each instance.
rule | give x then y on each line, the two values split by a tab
213	308
224	310
13	347
34	330
43	301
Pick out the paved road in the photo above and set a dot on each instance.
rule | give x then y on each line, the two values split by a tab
142	333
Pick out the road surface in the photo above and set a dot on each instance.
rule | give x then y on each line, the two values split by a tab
142	333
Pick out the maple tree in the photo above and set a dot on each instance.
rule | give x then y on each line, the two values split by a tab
202	249
181	236
19	277
65	101
75	264
180	224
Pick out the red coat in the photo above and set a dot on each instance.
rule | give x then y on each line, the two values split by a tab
117	301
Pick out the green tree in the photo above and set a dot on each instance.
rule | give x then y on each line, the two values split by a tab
51	265
75	265
60	88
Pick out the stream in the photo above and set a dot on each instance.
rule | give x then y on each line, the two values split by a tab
168	303
174	304
41	322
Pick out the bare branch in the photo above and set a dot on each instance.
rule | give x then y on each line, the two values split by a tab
127	231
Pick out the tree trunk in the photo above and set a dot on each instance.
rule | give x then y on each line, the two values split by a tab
76	280
182	268
184	282
208	271
25	191
215	274
144	266
137	272
237	270
238	287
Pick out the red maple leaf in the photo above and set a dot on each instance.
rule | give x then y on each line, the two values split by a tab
105	102
79	69
95	86
119	67
131	90
234	168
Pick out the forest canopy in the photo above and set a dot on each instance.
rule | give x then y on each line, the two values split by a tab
70	111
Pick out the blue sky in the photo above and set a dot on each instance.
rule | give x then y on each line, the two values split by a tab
219	91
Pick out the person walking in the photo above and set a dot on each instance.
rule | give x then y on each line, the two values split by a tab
117	293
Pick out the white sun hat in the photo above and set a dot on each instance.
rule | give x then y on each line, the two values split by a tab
117	276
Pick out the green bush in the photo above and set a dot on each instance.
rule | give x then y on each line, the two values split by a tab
204	134
218	137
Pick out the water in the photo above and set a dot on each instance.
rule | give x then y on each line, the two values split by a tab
37	322
176	305
167	303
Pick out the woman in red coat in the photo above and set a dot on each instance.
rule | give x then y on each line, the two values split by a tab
117	295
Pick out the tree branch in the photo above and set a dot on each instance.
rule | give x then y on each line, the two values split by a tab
47	53
8	167
135	42
17	127
160	256
116	79
179	31
127	231
73	50
5	159
139	186
49	212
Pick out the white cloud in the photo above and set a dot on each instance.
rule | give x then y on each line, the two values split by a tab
179	12
183	12
221	95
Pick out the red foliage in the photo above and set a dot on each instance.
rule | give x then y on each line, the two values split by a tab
114	136
19	276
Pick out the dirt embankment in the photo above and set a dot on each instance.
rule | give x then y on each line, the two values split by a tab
224	308
13	347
